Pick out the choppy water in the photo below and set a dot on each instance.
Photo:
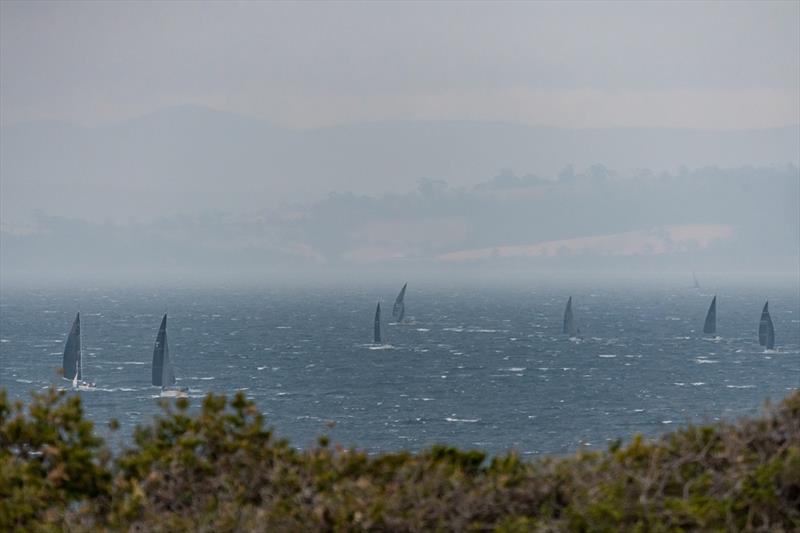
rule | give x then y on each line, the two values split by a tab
477	368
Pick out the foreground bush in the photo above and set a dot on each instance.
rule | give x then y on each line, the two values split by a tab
222	470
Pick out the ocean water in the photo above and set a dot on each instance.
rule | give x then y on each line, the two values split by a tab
473	367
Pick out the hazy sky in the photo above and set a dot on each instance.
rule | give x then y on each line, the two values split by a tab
707	65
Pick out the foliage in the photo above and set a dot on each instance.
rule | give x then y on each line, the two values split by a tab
222	469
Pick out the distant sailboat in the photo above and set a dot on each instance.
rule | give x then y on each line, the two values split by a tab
72	360
163	372
696	283
399	308
766	330
377	331
568	326
710	325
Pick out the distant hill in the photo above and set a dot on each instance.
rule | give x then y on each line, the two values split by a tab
188	159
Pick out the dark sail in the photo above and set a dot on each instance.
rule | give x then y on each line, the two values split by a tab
71	362
764	325
569	320
696	284
377	335
399	309
770	334
163	373
711	318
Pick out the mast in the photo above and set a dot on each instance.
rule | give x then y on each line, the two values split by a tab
377	329
80	349
710	325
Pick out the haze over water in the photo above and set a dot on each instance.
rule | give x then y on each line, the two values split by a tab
191	157
473	366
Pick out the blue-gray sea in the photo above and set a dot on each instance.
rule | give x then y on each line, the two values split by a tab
474	367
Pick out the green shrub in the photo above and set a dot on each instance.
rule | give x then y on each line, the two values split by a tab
222	469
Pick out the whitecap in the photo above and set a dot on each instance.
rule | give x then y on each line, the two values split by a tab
701	360
607	355
698	383
514	369
741	386
464	420
423	329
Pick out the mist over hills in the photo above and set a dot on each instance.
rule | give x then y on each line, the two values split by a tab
189	160
710	219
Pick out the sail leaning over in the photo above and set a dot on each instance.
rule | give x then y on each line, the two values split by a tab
766	330
399	308
71	361
163	373
710	325
377	330
568	326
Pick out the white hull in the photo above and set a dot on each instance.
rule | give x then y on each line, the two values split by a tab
174	393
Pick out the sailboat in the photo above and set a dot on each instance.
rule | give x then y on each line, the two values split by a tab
377	330
694	278
399	308
163	372
766	330
568	326
710	325
72	360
